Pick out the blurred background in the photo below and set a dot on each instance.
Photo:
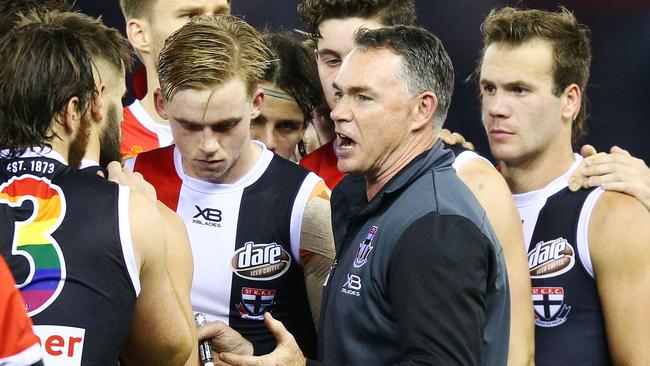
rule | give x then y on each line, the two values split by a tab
619	88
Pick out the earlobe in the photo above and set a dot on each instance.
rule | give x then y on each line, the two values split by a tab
159	103
137	31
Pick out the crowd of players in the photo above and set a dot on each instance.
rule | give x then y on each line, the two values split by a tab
117	233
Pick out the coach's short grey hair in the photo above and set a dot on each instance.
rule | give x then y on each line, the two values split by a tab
426	66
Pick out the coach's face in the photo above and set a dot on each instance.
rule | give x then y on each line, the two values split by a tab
372	112
211	129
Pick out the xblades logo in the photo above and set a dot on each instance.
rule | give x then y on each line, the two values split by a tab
352	286
207	217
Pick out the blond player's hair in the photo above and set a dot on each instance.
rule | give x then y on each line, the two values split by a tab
209	51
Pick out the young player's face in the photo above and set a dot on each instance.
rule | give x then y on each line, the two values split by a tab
211	129
372	112
280	125
336	42
521	116
167	16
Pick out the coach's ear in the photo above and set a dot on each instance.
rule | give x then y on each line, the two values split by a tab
138	32
423	110
159	103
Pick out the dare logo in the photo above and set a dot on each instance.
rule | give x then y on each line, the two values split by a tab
262	262
551	258
61	345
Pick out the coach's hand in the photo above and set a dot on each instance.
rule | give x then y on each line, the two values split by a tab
286	353
455	138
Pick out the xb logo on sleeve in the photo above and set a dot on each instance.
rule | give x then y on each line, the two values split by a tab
352	285
207	217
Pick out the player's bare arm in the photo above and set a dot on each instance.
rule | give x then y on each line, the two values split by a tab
160	334
619	243
316	245
180	266
493	193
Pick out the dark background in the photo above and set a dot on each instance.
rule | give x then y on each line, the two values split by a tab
619	88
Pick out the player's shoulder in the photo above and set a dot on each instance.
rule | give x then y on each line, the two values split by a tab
614	208
481	174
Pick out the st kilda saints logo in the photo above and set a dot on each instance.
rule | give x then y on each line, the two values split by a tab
551	258
550	309
365	248
261	262
255	302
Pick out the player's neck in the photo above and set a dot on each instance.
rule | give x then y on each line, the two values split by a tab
93	147
62	147
538	170
244	164
148	101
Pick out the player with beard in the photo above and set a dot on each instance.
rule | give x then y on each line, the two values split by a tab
109	52
65	232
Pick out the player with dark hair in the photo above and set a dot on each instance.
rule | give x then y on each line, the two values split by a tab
292	93
11	10
65	232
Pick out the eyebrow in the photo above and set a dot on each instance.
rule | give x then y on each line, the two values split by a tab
215	123
327	51
353	89
509	84
291	121
188	8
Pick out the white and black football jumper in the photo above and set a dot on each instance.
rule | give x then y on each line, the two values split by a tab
245	240
569	325
66	237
